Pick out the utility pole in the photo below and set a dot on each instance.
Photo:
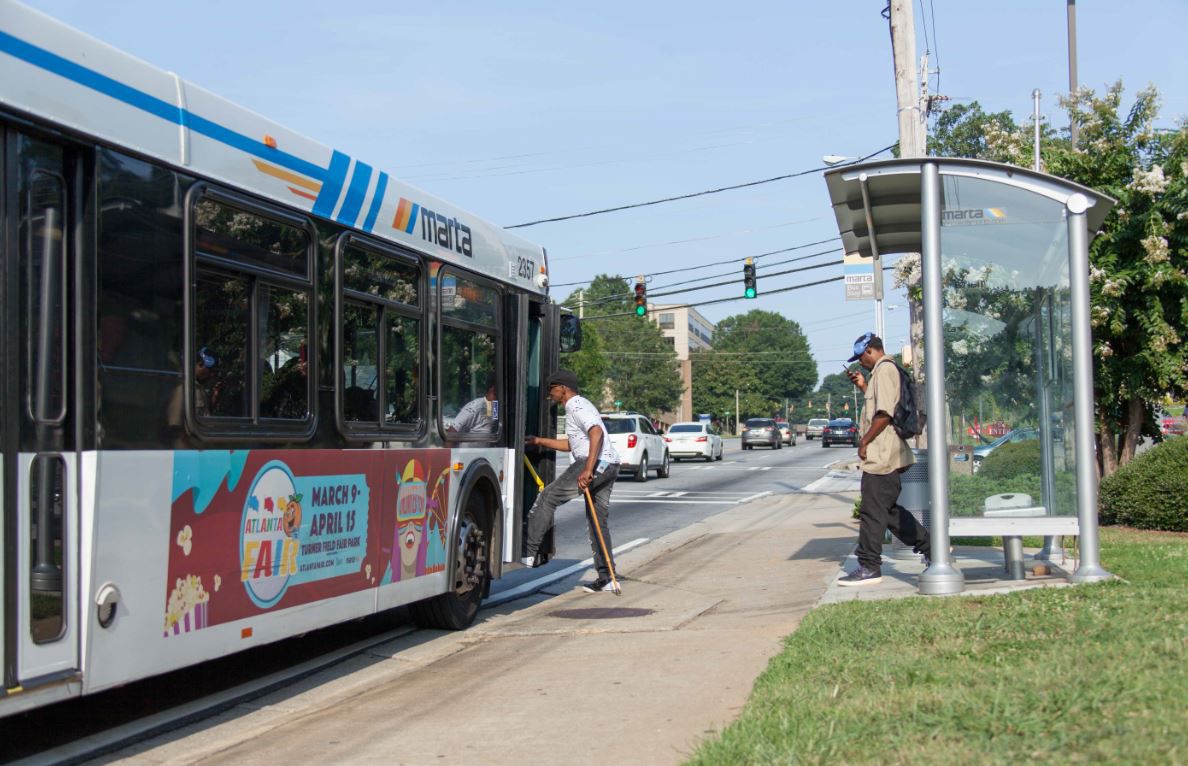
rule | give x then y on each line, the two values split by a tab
912	143
1035	96
737	413
581	304
1072	66
907	87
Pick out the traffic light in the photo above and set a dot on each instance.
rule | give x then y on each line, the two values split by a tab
641	299
749	290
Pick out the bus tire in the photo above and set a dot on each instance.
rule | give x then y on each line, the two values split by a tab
470	575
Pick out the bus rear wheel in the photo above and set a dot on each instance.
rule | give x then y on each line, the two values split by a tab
457	608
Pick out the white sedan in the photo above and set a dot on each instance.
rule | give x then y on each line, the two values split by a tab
694	440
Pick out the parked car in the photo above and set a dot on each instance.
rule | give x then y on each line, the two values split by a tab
1018	435
761	431
787	434
1173	426
641	449
694	440
840	431
815	427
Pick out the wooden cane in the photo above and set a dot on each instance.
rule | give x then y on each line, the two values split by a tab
602	543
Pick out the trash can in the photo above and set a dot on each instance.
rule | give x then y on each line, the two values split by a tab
913	495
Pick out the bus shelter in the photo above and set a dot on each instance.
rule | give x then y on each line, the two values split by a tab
1004	253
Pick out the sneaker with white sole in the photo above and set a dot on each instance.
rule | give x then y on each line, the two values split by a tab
528	561
602	586
861	576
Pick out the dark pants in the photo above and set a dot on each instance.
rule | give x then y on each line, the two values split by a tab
563	489
881	510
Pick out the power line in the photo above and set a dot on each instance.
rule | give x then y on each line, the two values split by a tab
693	194
719	263
724	300
732	281
601	254
619	296
685	269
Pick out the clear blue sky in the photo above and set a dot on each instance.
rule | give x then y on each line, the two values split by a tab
525	110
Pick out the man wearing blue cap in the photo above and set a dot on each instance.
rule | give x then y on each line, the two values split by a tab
884	457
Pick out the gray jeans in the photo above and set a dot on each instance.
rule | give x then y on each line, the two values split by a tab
563	489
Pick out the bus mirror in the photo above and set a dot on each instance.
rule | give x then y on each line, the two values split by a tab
571	334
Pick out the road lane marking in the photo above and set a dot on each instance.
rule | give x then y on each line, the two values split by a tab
755	496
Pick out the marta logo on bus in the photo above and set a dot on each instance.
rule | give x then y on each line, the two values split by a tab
444	232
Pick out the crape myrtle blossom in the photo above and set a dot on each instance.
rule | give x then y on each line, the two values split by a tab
1149	181
1156	248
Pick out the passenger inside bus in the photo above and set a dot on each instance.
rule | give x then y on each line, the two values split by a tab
480	415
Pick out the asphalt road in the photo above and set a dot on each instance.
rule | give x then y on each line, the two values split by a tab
694	490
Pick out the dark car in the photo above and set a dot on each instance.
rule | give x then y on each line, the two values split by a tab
840	431
762	431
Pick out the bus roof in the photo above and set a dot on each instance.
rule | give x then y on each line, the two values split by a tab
53	71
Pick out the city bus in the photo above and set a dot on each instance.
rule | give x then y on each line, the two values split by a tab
252	385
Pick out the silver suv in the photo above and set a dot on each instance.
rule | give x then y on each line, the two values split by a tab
815	427
761	431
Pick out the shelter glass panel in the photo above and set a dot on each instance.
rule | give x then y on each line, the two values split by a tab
1008	350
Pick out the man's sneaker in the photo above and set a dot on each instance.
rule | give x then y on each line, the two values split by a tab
528	561
602	586
861	576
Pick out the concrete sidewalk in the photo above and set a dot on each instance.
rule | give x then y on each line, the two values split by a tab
567	676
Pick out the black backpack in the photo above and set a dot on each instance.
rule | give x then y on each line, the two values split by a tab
907	420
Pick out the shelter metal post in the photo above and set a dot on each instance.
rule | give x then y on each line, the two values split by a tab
941	578
877	262
1089	569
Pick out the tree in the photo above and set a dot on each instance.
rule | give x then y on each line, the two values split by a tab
1138	284
590	363
774	350
633	363
716	378
964	130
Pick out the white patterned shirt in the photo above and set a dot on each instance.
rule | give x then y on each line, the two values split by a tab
580	416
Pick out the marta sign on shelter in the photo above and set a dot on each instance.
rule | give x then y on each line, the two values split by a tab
859	273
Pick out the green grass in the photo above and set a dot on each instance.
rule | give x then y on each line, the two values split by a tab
1090	674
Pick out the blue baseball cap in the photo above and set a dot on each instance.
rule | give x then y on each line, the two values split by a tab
207	359
861	344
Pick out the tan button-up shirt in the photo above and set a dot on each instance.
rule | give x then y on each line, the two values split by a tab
887	452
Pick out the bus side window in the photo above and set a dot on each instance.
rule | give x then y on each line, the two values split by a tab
252	290
379	340
468	363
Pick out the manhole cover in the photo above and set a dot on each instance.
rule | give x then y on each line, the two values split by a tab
609	613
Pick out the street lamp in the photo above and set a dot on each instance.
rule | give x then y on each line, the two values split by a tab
835	159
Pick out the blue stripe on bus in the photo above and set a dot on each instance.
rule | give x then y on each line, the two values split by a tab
355	194
52	62
89	78
381	185
412	219
332	184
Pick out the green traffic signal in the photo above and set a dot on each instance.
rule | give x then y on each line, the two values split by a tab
641	310
750	288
